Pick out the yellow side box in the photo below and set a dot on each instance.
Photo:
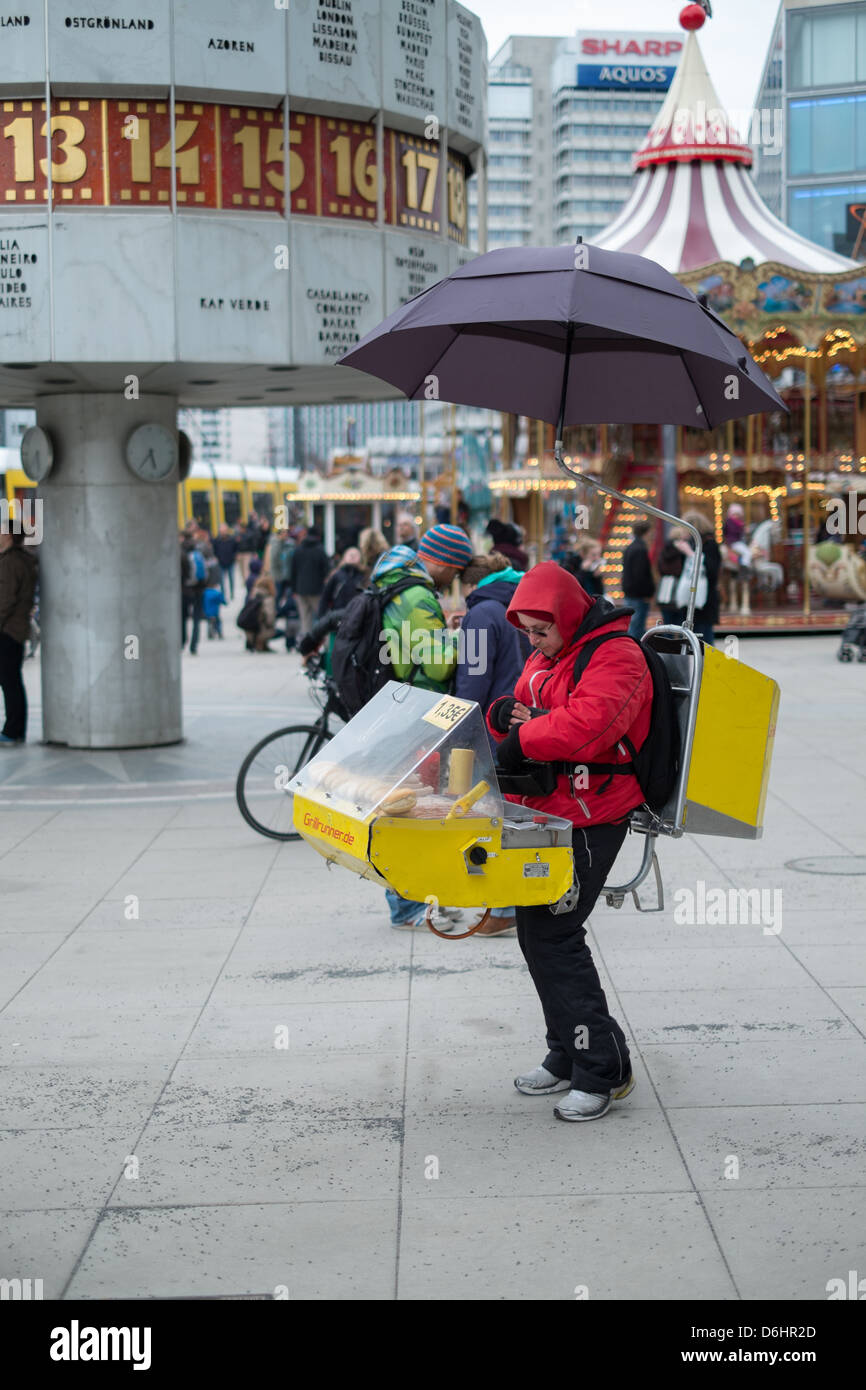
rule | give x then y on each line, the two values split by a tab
732	748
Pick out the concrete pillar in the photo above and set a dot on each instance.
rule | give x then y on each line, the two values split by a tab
109	579
670	482
329	540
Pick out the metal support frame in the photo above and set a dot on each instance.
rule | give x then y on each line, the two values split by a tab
644	822
640	506
652	828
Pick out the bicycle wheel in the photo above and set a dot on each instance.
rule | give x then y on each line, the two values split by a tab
261	793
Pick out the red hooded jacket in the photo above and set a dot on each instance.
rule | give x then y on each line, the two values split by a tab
585	723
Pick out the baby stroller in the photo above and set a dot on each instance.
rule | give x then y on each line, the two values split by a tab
854	637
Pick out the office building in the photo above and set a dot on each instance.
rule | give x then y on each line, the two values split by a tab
813	87
565	117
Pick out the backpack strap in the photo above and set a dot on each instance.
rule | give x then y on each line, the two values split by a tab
582	660
385	596
587	652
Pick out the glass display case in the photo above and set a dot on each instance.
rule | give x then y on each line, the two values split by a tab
410	753
406	795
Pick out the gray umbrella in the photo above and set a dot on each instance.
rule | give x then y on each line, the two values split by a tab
569	334
574	335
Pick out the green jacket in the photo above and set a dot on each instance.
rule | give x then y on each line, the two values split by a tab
415	628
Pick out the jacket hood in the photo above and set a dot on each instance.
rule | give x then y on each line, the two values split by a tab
550	592
398	562
511	576
499	589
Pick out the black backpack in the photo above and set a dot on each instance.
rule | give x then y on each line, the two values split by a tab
248	618
358	665
657	765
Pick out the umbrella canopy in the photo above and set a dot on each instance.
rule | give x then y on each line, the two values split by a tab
572	335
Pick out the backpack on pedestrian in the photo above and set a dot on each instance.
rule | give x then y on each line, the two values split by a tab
360	663
656	765
198	567
248	618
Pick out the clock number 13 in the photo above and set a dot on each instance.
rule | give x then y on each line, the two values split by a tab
73	165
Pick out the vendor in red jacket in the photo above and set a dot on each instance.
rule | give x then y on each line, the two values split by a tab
549	719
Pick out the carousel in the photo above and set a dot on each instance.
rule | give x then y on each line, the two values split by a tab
349	498
781	490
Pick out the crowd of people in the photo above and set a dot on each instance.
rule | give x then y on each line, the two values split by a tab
291	585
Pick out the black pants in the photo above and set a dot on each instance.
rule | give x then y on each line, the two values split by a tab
586	1046
11	659
191	606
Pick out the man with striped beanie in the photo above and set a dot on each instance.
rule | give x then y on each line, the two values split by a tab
445	548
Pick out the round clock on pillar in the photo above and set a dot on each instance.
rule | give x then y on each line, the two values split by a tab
151	452
37	454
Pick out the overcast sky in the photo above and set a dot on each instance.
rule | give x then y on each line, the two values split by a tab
734	41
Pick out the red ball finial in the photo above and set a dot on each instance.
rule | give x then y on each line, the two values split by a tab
692	17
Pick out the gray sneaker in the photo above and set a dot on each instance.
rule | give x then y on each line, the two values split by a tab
586	1105
445	921
540	1082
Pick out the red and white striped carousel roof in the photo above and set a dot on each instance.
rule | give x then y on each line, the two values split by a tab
694	201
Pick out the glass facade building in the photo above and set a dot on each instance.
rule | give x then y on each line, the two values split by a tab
816	74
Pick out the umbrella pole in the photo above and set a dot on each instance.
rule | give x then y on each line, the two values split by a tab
629	501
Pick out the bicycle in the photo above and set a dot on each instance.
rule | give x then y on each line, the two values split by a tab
261	790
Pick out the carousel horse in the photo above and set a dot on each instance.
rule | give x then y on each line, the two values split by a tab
837	571
769	574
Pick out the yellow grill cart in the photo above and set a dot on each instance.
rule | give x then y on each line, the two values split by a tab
406	795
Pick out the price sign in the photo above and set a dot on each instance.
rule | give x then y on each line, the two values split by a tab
447	712
139	152
252	158
350	176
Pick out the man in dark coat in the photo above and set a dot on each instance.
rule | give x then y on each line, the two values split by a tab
191	592
638	584
507	542
226	549
342	586
307	574
17	587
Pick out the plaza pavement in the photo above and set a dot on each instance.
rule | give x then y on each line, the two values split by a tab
157	1144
